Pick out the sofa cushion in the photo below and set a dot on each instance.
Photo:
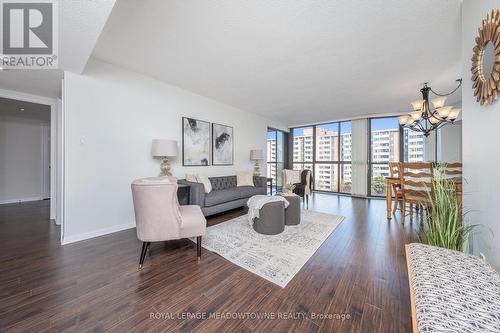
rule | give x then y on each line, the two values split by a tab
248	191
221	196
223	183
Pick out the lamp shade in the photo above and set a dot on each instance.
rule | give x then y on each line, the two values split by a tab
444	111
454	114
164	148
416	115
403	119
417	105
438	102
256	155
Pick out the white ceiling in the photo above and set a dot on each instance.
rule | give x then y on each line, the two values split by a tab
80	24
297	61
12	108
45	83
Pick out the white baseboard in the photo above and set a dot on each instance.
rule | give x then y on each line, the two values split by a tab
96	233
10	201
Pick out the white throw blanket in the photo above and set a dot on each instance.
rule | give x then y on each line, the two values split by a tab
256	202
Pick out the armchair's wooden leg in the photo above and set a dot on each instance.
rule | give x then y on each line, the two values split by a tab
198	247
145	247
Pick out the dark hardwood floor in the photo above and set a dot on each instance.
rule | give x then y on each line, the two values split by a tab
94	285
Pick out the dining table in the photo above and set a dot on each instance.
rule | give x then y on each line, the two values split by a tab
390	182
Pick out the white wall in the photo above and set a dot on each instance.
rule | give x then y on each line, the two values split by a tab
21	155
481	152
110	117
450	143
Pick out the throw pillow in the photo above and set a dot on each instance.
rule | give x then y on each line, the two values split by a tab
206	183
244	178
192	178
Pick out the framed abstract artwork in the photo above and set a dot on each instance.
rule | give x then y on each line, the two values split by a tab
195	142
222	145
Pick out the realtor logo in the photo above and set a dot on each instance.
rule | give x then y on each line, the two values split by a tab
29	34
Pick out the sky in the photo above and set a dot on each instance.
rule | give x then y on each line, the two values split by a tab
345	128
377	124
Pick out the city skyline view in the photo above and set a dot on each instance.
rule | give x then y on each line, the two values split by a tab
331	163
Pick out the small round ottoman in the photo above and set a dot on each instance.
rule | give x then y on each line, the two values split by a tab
292	212
271	220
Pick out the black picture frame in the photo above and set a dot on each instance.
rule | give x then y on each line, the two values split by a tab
184	140
216	141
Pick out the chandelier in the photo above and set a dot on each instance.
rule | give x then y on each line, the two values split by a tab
425	118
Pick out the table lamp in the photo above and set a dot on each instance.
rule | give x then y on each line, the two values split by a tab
164	149
256	155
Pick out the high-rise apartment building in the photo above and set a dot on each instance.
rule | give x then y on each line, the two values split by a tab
385	146
271	157
327	147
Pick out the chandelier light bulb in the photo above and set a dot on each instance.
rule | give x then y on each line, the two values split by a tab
444	112
403	120
416	115
454	114
433	120
438	102
417	105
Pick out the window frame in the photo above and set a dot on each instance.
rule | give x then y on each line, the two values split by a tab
276	161
369	159
337	164
401	139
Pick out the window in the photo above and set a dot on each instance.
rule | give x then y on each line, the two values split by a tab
302	148
326	150
385	147
302	145
275	156
414	146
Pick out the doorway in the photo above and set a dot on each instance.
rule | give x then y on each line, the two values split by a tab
25	151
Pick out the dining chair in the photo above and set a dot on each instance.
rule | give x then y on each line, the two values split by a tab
454	172
395	172
159	217
416	187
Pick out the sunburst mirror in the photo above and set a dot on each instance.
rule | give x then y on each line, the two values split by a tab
486	60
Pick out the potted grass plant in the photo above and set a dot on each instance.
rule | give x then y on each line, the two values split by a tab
289	188
443	225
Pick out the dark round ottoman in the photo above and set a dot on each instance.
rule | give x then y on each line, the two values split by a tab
292	212
271	220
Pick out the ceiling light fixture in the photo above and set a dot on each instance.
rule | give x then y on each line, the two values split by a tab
425	118
21	109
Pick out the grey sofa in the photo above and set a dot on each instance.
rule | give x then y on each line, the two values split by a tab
225	195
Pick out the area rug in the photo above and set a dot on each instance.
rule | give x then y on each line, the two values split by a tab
275	258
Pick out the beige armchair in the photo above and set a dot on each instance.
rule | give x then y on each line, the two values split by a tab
159	217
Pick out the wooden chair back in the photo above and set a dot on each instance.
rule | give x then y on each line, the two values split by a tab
417	181
454	172
395	169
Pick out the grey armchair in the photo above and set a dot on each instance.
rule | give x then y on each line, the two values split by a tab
159	217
